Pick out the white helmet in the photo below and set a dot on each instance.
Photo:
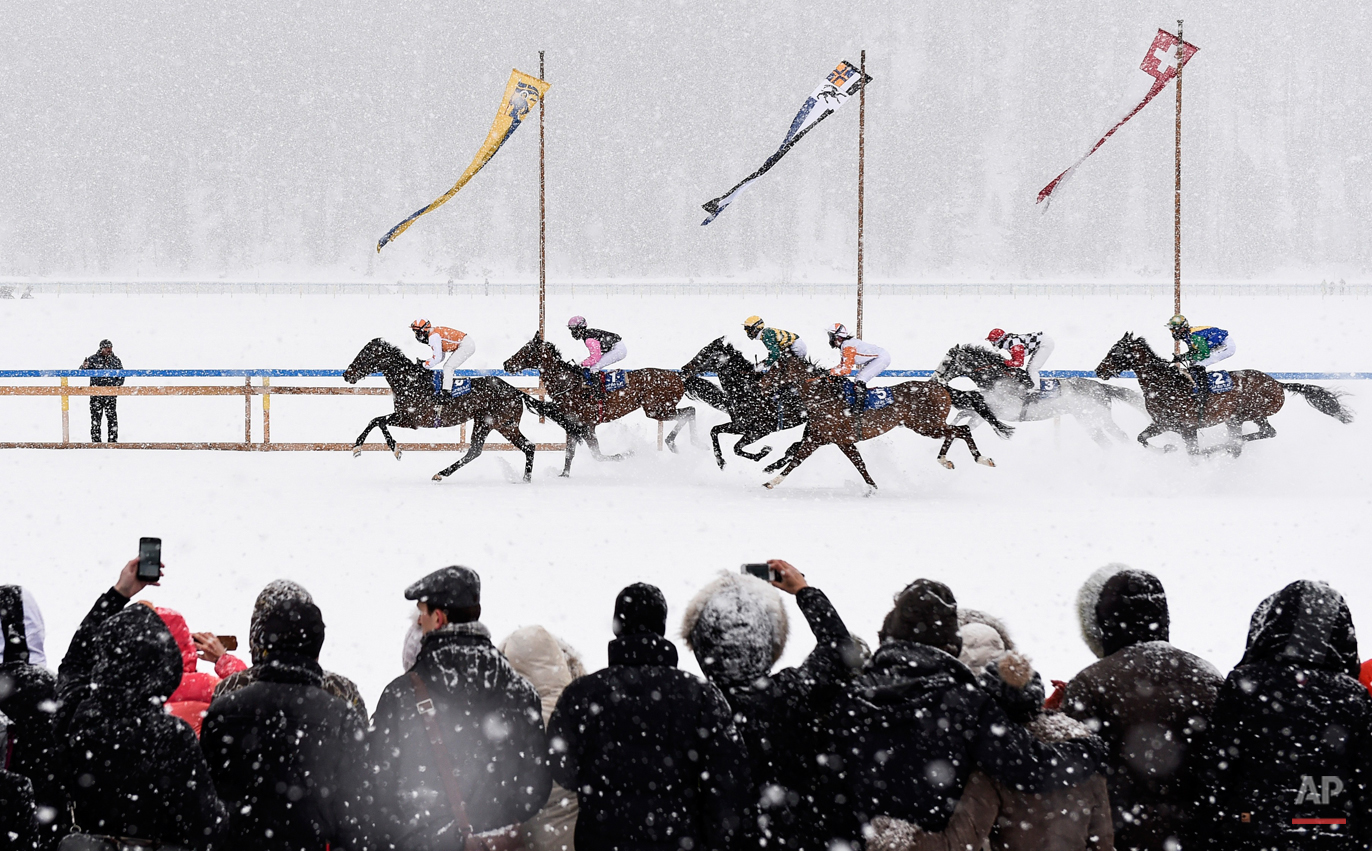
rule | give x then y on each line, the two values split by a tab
837	333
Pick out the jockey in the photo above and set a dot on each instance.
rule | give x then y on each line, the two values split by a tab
861	361
1027	352
777	341
604	347
1205	345
451	348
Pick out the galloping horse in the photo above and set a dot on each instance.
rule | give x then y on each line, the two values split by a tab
492	404
1168	397
579	408
753	413
921	406
1007	393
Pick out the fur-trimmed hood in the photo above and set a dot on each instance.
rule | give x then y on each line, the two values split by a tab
737	628
1119	606
985	638
545	660
999	665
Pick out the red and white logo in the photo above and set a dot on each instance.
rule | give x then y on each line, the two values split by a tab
1161	61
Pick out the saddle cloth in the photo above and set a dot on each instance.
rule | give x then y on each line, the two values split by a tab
877	397
1049	388
1220	382
615	379
461	386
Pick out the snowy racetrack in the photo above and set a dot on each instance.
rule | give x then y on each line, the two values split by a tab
1016	540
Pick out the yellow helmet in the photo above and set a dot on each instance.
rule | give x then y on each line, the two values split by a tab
1178	321
752	321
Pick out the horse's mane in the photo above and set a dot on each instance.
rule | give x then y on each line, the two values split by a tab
976	350
1146	347
389	347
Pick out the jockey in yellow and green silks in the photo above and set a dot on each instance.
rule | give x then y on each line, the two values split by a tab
777	341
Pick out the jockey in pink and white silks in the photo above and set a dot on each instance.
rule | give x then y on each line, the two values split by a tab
603	348
1027	352
861	361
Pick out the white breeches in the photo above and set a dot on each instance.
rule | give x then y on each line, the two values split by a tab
613	356
1221	352
798	349
456	358
1036	362
873	368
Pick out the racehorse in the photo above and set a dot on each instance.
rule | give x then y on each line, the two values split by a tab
1007	393
753	413
1169	400
921	406
579	408
492	404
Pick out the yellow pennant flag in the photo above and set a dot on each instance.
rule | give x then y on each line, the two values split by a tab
522	94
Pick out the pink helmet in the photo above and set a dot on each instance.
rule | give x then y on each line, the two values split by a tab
995	335
576	322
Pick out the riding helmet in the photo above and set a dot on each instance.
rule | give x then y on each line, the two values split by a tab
995	335
838	331
1178	321
576	322
421	325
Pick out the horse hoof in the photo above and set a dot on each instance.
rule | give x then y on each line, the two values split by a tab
986	461
357	450
1169	448
438	477
869	490
946	463
565	476
773	483
397	454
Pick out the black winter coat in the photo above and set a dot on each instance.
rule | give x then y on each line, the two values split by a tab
28	697
287	758
914	726
1290	715
132	769
492	725
652	752
783	720
18	824
99	361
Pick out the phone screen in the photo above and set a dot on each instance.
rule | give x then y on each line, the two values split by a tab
149	559
760	570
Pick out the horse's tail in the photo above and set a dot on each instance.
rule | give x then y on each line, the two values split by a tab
1323	400
546	409
1127	395
701	390
963	399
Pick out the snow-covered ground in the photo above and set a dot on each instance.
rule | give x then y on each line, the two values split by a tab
1016	540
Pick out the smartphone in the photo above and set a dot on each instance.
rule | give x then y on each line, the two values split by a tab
149	559
762	571
230	642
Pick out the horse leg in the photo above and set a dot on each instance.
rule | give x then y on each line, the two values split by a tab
593	444
807	448
745	440
1149	433
515	436
788	454
1191	437
723	428
386	433
1264	431
1235	427
683	417
479	432
362	438
571	452
850	451
965	434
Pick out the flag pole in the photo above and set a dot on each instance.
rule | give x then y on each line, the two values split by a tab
1176	231
862	154
542	219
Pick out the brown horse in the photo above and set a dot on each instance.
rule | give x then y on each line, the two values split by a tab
579	408
921	406
1169	400
493	404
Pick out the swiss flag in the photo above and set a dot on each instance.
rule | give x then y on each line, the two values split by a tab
1161	61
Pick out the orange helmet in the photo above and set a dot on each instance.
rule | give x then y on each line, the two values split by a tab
421	325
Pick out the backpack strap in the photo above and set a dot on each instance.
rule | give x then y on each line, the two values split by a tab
442	761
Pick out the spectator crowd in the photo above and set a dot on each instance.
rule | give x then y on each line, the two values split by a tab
942	737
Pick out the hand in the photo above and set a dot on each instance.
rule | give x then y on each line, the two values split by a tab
128	583
791	580
759	367
208	645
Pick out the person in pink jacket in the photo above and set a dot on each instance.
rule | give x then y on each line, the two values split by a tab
193	696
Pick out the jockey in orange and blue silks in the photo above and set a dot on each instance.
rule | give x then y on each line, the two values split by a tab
450	348
860	361
603	348
1027	352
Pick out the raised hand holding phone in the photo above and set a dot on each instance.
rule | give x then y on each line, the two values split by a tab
128	583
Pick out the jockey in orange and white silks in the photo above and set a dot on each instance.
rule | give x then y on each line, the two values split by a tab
860	361
450	348
603	348
1027	352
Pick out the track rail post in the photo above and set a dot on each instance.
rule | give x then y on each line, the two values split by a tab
659	435
66	422
247	409
266	410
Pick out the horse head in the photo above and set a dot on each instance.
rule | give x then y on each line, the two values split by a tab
530	356
370	359
969	360
1122	356
708	359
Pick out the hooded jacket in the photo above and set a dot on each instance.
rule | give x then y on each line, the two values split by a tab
491	726
286	756
652	752
193	695
28	696
132	769
737	628
1290	715
550	665
1146	698
915	724
277	592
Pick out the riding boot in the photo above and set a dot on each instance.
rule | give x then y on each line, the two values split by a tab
1202	380
859	398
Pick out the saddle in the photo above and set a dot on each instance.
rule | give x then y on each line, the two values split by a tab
877	397
615	379
1220	382
461	386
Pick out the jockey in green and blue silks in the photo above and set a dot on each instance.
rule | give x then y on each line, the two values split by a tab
1205	345
777	341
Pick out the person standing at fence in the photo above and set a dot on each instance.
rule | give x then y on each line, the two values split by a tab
105	358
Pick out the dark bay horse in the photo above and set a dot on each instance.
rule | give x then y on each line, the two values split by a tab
1007	393
578	408
1169	401
493	404
921	406
753	412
